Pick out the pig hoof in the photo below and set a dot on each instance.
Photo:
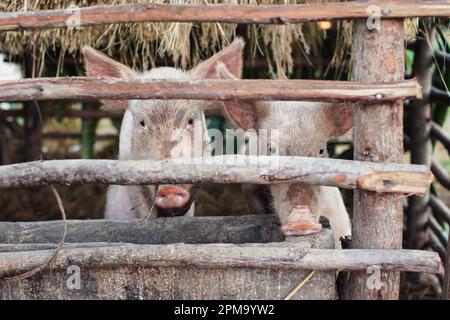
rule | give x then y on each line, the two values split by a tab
301	228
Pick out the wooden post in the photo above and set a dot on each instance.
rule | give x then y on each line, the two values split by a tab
32	126
446	291
378	136
419	123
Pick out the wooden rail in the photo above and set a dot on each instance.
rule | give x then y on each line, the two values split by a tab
389	178
273	14
68	113
277	255
96	88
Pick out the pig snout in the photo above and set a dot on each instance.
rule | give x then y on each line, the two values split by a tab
300	222
170	197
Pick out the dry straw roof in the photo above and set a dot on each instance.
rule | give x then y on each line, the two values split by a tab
184	44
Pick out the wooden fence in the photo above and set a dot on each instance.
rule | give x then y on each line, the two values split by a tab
378	72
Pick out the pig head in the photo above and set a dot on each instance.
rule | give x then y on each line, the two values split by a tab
304	128
151	130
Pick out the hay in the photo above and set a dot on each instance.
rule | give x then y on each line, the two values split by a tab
180	44
141	44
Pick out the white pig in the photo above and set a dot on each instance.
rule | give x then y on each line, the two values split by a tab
304	130
148	128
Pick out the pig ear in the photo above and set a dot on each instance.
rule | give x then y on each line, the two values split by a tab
246	114
99	65
340	117
230	57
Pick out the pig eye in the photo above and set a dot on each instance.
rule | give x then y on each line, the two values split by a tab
190	123
142	123
321	152
272	150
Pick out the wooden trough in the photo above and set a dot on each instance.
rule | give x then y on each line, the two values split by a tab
183	258
252	262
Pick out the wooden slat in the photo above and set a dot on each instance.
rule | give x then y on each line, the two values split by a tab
390	178
225	229
273	14
282	255
96	88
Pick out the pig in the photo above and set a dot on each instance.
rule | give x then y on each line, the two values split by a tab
304	128
148	127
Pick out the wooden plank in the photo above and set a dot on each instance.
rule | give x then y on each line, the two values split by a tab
378	55
390	178
70	113
273	14
230	229
281	255
76	136
95	88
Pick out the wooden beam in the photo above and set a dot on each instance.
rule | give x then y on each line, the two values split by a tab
76	135
419	113
440	174
96	88
440	95
12	113
279	255
439	208
381	178
227	229
440	135
69	113
446	284
273	14
435	226
378	55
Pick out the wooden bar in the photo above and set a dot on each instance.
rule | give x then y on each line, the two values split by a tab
95	88
440	174
11	113
440	95
446	284
271	14
440	135
273	255
378	55
439	208
434	225
192	230
76	135
419	134
381	178
69	113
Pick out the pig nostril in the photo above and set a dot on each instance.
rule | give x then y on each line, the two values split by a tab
172	197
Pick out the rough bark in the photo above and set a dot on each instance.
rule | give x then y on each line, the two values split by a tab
378	136
252	228
84	88
46	19
391	178
148	274
282	255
